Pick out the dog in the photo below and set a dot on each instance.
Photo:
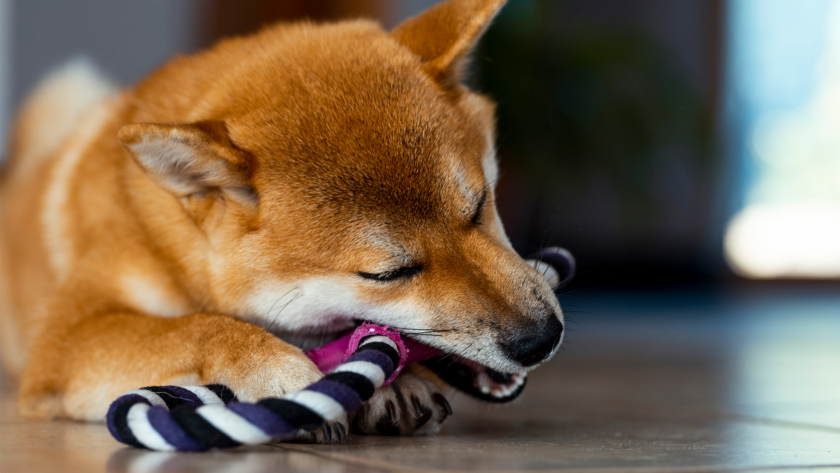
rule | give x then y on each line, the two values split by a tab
260	197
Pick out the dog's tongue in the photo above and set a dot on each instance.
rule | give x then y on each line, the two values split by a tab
329	356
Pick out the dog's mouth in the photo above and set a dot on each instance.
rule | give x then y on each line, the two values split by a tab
468	376
475	379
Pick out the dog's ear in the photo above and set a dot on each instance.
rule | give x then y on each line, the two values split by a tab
444	35
191	159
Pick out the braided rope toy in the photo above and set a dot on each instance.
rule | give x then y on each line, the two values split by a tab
198	418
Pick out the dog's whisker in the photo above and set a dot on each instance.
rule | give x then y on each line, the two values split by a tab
409	332
430	330
172	396
545	233
284	308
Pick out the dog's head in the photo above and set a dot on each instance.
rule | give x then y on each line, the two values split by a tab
337	173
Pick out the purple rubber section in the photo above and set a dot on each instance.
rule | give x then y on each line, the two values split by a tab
123	402
267	421
186	395
165	425
345	395
376	357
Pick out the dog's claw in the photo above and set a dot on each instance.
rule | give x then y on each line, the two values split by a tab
422	414
330	432
391	410
358	424
443	403
342	433
388	426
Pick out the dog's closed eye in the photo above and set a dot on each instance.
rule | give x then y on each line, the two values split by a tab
400	273
476	218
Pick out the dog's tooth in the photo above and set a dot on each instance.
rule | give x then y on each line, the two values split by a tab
484	382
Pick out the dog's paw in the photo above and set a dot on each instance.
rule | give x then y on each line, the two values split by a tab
271	368
411	405
331	432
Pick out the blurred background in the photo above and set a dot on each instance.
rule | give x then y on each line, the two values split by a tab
686	151
663	143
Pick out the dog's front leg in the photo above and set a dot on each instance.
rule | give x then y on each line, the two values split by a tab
76	370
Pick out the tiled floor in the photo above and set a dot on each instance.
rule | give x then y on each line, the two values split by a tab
683	382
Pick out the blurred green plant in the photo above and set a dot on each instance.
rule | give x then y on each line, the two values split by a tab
577	104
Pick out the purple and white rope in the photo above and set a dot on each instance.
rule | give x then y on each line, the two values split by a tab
198	418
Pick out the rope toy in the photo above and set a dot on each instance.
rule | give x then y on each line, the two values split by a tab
198	418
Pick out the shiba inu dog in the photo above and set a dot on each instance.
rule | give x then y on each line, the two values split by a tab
279	188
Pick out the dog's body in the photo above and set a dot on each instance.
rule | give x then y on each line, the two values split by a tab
298	181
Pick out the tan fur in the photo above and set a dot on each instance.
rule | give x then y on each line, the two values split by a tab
245	188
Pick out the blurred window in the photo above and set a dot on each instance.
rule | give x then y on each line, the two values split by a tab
784	104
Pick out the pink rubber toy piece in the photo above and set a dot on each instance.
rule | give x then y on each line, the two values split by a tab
329	356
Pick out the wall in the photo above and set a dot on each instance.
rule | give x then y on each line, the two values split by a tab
126	39
5	68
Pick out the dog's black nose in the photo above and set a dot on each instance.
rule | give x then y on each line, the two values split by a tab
536	345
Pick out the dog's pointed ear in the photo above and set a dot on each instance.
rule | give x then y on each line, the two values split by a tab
444	35
190	159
